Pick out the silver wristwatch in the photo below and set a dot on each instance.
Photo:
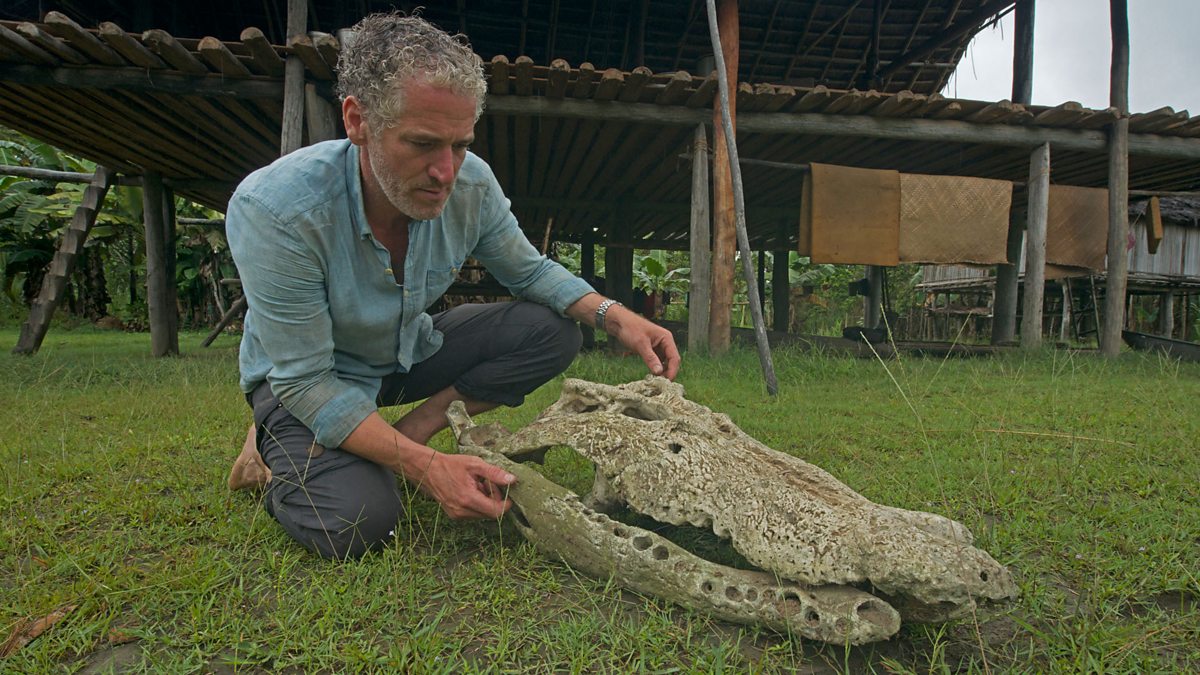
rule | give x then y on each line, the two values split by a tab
602	311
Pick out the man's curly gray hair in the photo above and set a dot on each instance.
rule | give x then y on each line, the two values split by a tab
390	50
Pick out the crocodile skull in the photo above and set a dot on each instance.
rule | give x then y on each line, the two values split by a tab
817	543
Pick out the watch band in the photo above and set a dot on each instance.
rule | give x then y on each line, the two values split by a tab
602	312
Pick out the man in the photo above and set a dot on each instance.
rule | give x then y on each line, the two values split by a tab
341	247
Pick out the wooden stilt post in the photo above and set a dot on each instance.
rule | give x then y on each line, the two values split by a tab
781	293
873	303
587	269
618	261
1118	183
1004	307
1166	313
292	132
724	235
1035	247
33	331
701	253
739	205
157	294
319	115
171	259
762	280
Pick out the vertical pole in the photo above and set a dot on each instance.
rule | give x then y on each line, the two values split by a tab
319	116
1004	307
1166	314
156	265
739	203
292	131
724	235
1035	247
781	294
1118	183
170	258
1064	326
873	303
587	269
701	253
762	280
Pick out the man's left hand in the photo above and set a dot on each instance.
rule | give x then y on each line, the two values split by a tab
645	338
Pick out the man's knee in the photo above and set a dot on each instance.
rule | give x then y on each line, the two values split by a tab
343	516
555	335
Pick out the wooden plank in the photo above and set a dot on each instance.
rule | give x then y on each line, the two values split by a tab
700	278
60	25
814	99
583	81
133	50
328	47
610	85
303	47
51	44
779	98
1063	114
1004	111
1038	186
703	96
498	81
264	60
1155	121
556	87
676	90
176	55
899	104
17	43
221	59
634	84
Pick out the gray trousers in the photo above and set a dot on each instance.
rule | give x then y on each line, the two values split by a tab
339	505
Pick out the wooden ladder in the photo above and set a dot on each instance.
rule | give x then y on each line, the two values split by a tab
33	331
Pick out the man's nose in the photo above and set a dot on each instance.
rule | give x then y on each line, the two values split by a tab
442	168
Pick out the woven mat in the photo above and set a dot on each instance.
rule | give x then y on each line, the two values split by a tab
850	216
954	219
1077	227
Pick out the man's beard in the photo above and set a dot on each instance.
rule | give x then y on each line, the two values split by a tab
397	191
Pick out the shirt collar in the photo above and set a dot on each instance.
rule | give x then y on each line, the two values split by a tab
354	190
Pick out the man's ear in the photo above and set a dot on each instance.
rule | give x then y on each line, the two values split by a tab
355	121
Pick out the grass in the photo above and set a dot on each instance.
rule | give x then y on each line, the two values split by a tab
1081	474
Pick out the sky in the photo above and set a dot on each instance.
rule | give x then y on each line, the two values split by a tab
1072	51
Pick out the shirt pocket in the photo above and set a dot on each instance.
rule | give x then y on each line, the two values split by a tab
439	278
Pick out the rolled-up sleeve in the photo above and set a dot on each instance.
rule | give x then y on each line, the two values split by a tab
509	256
284	283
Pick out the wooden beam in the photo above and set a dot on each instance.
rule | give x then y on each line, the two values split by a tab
168	48
133	50
724	234
1116	282
1035	247
263	57
137	79
63	176
701	255
219	57
938	131
62	26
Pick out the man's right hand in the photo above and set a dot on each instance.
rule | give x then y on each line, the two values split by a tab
466	486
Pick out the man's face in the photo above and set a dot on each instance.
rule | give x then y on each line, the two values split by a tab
415	161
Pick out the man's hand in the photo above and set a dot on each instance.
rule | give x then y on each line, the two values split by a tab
466	486
645	338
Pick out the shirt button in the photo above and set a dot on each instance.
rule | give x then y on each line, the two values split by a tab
388	270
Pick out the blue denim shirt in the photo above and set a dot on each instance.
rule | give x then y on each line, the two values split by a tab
326	318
